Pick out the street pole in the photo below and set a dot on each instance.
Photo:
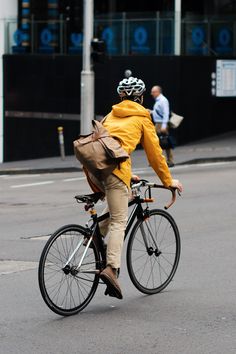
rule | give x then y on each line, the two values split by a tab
177	27
87	74
8	9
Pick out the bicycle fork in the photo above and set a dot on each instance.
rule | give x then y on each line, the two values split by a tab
149	249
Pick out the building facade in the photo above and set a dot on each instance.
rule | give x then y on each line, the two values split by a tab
187	47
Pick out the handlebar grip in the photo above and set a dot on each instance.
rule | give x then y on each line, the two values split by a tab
173	191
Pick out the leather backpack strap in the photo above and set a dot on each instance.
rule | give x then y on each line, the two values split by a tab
99	130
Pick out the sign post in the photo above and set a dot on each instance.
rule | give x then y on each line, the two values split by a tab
87	74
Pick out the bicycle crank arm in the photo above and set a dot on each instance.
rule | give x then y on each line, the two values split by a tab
90	271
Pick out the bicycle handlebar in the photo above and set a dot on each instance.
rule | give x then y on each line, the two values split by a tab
145	183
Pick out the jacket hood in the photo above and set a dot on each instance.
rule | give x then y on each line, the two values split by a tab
128	108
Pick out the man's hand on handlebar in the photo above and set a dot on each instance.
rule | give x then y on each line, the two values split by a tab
177	184
135	178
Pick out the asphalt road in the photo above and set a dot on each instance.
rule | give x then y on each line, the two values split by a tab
196	314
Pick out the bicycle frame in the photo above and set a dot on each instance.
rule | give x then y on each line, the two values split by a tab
137	211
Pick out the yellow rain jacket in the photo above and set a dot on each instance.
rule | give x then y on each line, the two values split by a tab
131	124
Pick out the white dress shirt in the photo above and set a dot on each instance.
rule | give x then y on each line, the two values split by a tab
161	111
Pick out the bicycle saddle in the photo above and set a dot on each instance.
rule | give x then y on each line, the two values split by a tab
89	198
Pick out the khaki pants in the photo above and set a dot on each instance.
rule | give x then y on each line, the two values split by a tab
117	195
169	152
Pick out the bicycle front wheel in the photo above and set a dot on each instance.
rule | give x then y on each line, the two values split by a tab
65	288
153	252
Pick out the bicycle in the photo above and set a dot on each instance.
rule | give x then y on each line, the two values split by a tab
74	255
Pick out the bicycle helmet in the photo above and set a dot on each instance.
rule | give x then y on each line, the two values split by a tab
130	86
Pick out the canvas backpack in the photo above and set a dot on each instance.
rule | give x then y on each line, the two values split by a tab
99	152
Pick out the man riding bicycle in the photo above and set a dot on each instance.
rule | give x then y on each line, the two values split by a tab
131	124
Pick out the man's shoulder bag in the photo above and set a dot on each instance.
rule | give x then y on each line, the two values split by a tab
175	120
99	152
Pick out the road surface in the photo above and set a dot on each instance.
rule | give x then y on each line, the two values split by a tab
196	314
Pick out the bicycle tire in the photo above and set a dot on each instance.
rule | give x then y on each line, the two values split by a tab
63	241
155	260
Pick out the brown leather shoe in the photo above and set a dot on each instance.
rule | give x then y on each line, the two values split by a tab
108	275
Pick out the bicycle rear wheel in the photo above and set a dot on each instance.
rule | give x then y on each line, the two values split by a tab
65	289
153	252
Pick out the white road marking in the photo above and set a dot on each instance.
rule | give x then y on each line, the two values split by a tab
7	267
207	164
207	148
203	164
19	176
141	172
74	179
180	167
32	184
39	238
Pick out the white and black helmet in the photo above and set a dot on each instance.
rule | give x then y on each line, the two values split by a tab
130	86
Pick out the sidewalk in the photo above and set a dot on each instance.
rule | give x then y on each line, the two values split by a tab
214	149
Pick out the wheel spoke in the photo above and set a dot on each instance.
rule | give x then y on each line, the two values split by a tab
159	263
166	260
56	257
164	233
142	255
144	269
170	244
151	273
63	279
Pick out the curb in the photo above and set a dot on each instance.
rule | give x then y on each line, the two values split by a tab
207	160
20	171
